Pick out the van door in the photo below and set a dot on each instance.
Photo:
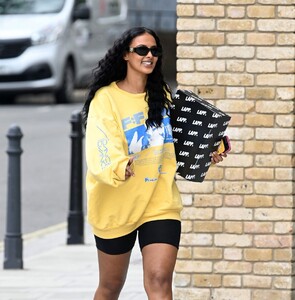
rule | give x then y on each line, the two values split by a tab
108	21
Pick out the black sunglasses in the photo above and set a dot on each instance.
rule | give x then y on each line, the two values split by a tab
144	50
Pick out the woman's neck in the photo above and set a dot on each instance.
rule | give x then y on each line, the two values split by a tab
132	85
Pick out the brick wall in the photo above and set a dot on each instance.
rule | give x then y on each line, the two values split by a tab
237	225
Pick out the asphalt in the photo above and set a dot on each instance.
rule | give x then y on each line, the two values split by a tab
53	270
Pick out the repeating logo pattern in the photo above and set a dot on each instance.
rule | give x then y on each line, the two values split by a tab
197	127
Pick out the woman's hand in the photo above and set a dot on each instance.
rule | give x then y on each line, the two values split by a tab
129	171
217	158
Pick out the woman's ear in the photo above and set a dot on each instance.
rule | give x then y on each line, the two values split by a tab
126	56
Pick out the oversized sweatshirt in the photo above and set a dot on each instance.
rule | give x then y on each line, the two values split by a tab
116	131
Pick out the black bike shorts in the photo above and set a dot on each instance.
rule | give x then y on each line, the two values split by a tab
159	231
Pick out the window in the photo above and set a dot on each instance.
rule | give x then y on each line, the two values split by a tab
9	7
109	8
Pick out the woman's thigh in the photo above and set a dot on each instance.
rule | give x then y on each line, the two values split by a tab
159	261
113	268
114	256
159	241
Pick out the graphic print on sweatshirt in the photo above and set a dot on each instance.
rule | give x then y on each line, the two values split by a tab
140	138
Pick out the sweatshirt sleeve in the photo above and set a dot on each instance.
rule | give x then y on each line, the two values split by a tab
105	155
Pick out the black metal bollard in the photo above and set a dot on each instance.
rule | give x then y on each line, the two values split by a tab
76	217
13	248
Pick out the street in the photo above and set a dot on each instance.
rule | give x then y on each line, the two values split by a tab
45	161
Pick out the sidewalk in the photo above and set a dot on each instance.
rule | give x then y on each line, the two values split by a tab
56	271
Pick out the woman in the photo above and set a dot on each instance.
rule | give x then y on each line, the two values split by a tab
131	166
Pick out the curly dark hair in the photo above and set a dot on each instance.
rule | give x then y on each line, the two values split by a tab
112	67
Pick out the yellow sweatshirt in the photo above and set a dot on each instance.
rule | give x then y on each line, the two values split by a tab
115	132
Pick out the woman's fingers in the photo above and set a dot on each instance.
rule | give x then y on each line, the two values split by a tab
216	158
129	171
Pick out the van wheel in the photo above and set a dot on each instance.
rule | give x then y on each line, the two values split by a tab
65	93
8	99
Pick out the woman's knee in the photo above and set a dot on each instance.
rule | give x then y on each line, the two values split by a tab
158	281
112	285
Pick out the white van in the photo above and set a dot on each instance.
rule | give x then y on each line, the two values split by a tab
52	46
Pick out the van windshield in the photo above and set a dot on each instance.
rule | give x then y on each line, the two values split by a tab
25	7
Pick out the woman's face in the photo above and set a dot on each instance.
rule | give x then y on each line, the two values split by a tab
141	64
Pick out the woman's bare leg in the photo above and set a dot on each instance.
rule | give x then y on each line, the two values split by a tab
158	264
112	275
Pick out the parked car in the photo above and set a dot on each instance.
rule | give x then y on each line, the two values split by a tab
52	46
